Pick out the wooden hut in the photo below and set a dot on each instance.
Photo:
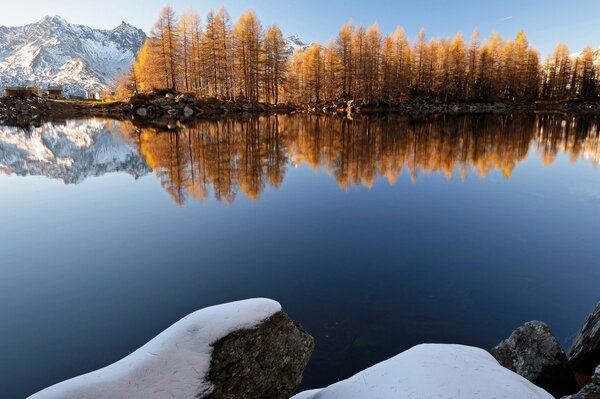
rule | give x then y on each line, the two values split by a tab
55	92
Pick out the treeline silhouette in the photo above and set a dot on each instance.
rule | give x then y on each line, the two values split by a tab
224	157
214	58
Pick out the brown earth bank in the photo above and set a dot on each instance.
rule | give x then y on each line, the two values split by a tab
166	109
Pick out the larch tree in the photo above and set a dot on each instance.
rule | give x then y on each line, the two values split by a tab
164	38
275	58
248	37
345	55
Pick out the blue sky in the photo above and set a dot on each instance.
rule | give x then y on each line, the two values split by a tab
574	22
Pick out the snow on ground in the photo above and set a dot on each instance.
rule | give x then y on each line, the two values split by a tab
172	365
433	371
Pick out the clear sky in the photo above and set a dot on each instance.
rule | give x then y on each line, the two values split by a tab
574	22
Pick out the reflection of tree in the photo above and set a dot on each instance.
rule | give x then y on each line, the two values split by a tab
230	155
224	156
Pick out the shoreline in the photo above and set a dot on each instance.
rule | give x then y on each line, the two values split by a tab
167	109
252	349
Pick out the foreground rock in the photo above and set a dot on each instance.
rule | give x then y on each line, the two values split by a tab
585	353
433	371
267	362
591	391
252	341
534	353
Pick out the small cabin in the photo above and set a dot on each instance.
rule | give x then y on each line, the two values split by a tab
55	92
20	91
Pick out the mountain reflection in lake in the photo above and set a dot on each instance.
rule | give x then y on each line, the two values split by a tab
439	229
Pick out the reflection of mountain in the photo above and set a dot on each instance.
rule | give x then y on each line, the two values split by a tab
70	152
229	156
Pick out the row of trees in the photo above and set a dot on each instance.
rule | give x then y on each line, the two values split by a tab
243	61
214	59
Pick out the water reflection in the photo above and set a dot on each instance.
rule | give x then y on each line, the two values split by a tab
224	157
228	156
71	151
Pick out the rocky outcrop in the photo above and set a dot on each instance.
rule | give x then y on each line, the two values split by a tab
163	107
590	391
534	353
266	362
585	353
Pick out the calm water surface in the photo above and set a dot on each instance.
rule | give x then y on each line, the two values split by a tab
376	234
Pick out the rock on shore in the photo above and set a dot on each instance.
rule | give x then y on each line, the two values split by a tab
585	353
258	352
590	391
533	352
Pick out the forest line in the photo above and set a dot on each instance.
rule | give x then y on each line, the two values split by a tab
215	58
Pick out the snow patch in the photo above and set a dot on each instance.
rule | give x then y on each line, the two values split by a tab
172	365
433	371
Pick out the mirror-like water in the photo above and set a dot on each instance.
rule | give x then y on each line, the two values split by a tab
376	234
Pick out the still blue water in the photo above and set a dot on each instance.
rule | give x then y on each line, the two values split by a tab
375	234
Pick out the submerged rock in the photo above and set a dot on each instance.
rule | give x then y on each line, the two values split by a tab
433	371
267	362
534	353
585	353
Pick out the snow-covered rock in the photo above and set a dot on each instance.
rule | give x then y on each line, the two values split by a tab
70	152
175	364
433	371
55	52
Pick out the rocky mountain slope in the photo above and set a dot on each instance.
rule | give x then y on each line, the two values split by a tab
55	52
295	43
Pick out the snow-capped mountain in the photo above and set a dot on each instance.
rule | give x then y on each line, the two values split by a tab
595	51
71	152
55	52
294	43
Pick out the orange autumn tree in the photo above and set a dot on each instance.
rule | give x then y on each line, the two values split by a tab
242	61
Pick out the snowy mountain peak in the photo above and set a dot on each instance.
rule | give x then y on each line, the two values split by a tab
295	43
56	52
52	19
595	51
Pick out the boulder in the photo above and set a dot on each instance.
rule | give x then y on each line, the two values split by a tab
585	353
590	391
433	371
266	362
188	111
248	350
534	353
